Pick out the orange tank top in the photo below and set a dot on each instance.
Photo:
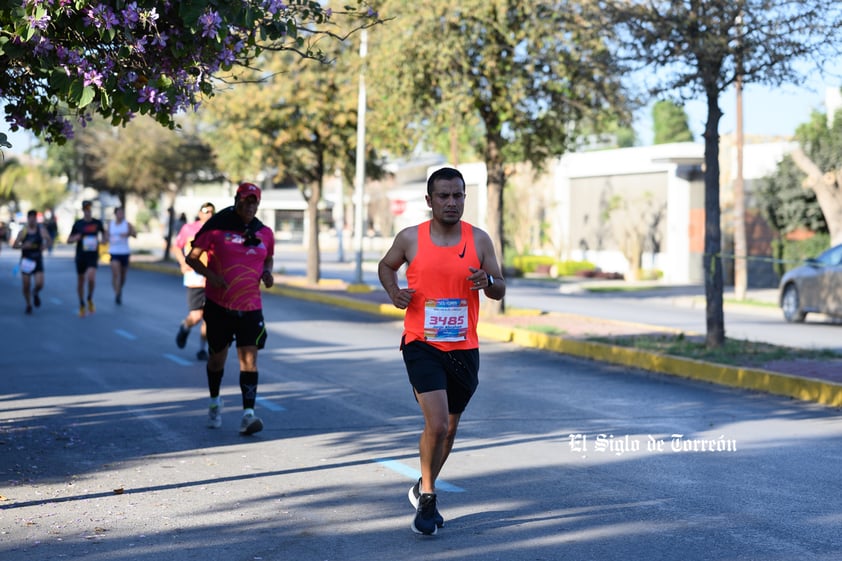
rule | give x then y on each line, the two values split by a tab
444	310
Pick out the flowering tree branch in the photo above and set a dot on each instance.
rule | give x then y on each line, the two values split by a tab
64	59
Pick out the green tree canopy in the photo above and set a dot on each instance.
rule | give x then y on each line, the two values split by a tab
296	119
819	158
30	182
670	123
785	204
528	74
692	47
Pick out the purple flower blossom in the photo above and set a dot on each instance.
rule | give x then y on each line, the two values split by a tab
42	47
130	15
92	77
160	40
101	16
274	6
147	95
66	128
210	22
39	23
139	46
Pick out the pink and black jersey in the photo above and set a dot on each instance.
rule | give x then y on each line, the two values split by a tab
236	252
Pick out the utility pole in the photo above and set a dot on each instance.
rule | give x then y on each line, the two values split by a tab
339	216
740	238
359	187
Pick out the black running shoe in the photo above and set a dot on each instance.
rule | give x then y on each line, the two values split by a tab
202	355
415	494
181	338
425	515
36	299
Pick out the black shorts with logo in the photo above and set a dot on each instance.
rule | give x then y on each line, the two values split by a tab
224	326
430	369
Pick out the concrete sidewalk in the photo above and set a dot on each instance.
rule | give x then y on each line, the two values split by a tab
819	381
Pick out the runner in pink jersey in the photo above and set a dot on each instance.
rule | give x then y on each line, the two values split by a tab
193	281
240	254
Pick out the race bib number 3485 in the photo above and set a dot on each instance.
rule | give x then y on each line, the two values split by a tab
446	319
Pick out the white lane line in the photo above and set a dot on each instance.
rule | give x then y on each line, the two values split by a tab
414	474
266	404
178	360
125	334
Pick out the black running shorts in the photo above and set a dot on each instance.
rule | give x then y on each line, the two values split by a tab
86	260
122	258
431	369
224	326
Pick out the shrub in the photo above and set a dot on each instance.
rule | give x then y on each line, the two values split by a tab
526	264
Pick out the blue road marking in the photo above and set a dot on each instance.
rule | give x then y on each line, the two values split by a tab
266	404
414	474
125	334
178	360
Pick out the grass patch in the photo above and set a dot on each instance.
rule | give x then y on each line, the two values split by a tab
734	352
545	329
619	288
750	302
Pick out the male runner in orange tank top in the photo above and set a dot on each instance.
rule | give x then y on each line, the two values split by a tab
448	262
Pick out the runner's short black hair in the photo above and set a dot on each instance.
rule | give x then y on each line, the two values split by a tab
443	173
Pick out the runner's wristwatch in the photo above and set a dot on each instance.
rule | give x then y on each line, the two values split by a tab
490	279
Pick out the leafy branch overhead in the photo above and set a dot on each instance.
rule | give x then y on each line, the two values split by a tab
64	59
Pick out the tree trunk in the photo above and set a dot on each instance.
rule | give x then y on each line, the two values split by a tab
828	194
170	224
496	181
313	254
713	234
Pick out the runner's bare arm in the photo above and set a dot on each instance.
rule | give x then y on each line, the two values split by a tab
266	276
495	290
387	269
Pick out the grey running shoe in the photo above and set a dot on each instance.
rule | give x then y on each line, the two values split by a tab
215	416
425	515
415	494
250	424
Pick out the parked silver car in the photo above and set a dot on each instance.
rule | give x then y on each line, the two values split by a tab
814	287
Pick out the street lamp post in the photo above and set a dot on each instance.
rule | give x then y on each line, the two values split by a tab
359	187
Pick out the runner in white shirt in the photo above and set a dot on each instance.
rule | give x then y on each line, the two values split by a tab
119	231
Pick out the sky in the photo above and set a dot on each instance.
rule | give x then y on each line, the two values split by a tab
766	111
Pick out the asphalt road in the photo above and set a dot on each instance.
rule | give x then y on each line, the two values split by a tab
104	455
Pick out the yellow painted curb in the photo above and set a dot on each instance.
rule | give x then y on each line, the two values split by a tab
805	389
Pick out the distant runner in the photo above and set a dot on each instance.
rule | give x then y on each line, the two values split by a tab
32	240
